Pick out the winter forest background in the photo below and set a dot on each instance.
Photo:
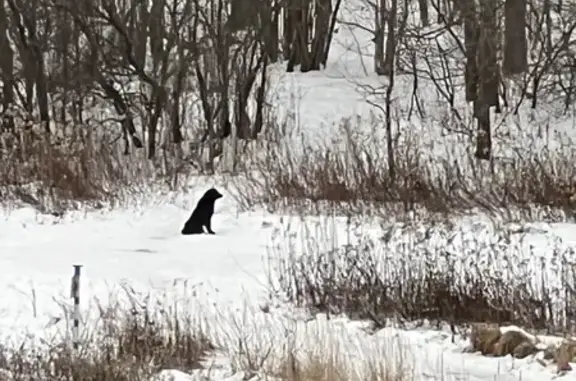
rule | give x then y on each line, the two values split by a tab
99	95
392	171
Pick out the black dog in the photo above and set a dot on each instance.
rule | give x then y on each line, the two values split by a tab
202	214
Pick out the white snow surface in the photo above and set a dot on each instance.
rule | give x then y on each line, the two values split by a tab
221	279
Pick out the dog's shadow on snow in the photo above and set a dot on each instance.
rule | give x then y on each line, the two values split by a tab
229	228
179	236
147	251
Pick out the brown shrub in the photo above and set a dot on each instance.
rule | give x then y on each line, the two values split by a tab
489	339
126	344
430	272
61	171
354	176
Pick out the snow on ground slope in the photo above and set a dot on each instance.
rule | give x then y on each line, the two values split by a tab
222	278
317	102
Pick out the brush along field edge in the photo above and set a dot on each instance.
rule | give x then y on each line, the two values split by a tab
134	336
351	174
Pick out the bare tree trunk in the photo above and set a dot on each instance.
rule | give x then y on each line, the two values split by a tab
328	42
424	15
390	54
446	11
260	100
389	141
42	90
515	45
156	33
26	24
546	10
488	52
244	14
484	133
7	67
488	78
141	18
471	37
270	16
288	37
380	23
321	33
300	19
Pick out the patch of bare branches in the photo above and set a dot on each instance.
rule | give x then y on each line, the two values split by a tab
481	62
438	272
182	80
128	343
355	175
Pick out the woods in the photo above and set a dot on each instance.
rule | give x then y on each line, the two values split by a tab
190	79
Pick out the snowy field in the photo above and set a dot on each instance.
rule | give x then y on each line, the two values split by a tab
222	280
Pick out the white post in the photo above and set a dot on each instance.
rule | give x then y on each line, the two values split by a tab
75	295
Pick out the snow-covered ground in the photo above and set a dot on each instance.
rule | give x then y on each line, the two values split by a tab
221	278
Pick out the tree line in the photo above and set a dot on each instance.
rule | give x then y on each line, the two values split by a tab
141	67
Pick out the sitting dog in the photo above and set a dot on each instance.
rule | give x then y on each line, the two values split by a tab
202	214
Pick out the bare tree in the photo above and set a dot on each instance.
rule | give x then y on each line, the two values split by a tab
32	38
424	15
488	78
103	62
471	40
390	54
515	44
308	29
7	70
227	70
379	36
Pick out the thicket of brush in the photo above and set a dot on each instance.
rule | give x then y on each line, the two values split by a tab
146	339
124	344
75	167
524	180
439	175
436	272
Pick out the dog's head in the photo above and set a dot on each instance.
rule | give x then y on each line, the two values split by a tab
213	194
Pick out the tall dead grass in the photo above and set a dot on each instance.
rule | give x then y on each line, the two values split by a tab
274	348
125	343
352	175
142	338
430	272
329	364
59	171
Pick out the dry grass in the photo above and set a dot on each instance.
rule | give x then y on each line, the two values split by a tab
145	340
438	272
329	365
333	358
272	348
57	172
352	176
130	343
